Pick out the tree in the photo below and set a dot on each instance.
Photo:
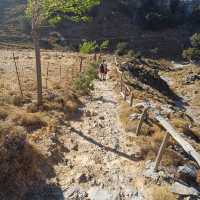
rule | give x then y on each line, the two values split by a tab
193	53
53	11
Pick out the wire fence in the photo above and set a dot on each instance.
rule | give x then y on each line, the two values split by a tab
18	73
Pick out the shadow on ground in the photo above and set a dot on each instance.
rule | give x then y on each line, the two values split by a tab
106	148
151	78
25	173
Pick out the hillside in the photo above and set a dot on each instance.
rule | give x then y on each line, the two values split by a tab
112	20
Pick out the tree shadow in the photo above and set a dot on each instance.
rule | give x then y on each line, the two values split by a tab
104	100
25	173
103	147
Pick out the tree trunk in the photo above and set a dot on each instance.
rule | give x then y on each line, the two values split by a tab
38	66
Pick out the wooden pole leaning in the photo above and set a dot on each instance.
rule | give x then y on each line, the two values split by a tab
161	151
143	116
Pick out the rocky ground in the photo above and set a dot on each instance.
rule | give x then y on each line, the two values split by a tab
103	167
89	155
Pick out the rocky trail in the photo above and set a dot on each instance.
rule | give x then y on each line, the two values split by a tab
101	166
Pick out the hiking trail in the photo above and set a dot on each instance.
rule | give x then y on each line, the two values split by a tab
103	165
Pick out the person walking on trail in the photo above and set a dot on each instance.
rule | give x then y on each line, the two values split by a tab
103	70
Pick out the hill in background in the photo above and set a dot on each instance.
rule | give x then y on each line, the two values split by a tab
146	24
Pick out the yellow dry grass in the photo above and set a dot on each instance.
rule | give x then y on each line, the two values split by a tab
162	193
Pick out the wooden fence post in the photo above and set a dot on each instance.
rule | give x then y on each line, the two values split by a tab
122	81
125	93
131	102
161	151
81	64
144	114
95	57
47	76
60	73
17	73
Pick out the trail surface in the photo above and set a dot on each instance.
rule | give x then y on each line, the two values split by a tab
102	163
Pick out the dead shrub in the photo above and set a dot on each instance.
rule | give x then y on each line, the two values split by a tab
125	112
14	100
171	158
17	100
180	124
162	193
21	165
30	121
3	113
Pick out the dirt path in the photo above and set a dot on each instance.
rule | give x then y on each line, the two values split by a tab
102	164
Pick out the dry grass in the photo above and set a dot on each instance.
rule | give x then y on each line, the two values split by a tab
198	177
30	121
125	112
3	113
162	193
21	164
180	123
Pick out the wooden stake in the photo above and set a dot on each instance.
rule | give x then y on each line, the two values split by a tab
161	151
125	94
81	64
122	81
18	77
60	73
47	76
144	114
132	96
95	57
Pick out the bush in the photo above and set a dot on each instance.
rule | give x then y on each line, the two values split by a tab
104	46
3	114
30	121
21	164
122	48
195	40
88	47
84	82
193	53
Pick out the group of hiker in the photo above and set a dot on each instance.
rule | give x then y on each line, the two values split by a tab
103	70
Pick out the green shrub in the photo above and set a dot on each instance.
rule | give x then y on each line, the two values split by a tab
88	47
122	48
195	40
131	53
104	46
193	53
84	82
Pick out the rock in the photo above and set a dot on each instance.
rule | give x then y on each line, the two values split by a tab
88	113
187	173
74	193
84	178
186	190
190	79
101	117
150	173
75	147
96	193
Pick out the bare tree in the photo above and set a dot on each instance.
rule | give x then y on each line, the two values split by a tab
35	35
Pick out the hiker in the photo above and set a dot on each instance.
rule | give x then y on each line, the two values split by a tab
103	70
